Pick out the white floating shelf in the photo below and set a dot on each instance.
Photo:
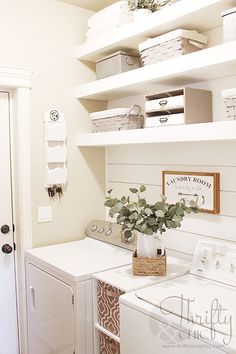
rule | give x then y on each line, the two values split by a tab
188	14
216	131
208	64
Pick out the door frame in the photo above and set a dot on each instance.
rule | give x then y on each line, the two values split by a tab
17	81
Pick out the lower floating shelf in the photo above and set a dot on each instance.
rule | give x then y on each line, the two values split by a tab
215	131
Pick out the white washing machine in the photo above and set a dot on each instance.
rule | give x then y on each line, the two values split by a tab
193	314
59	288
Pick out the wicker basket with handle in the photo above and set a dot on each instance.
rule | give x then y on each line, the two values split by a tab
149	266
107	121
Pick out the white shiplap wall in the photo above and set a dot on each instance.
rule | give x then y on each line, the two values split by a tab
135	165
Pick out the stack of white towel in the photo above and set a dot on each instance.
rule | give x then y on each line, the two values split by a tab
108	20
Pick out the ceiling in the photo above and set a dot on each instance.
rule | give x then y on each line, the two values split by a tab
94	5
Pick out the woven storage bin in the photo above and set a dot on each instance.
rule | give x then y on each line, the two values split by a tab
149	266
230	103
229	24
108	307
117	119
171	45
108	345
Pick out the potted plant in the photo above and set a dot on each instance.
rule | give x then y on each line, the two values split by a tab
148	220
141	8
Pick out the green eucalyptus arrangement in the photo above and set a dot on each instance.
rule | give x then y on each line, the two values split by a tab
145	217
142	4
152	5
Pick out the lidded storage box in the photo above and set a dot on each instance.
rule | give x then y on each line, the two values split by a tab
116	63
117	119
229	24
171	45
230	103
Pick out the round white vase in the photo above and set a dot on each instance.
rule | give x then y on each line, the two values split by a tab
141	14
147	245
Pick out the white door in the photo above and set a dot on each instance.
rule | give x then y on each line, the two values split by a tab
8	309
50	309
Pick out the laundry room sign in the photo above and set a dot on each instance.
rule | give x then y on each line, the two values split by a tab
198	186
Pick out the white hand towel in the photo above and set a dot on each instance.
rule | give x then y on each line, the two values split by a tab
104	32
103	15
111	24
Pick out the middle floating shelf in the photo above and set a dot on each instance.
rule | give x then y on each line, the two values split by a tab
212	63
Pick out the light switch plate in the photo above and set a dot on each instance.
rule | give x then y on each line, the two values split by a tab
44	214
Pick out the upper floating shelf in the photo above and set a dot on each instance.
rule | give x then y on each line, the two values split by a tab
188	14
208	64
216	131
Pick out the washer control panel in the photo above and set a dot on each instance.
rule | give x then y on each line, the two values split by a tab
215	261
110	232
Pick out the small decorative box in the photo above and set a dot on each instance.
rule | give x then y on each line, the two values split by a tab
116	63
149	266
229	24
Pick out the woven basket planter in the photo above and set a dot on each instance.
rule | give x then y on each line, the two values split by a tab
170	49
149	266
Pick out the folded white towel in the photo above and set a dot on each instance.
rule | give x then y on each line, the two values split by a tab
107	26
113	20
112	10
104	32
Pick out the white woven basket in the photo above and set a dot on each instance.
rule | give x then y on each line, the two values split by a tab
230	103
171	45
125	121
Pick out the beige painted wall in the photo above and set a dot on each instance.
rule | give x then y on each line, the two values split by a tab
43	34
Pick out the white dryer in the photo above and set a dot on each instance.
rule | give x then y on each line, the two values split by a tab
59	288
193	314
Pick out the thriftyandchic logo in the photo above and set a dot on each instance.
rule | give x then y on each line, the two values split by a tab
213	324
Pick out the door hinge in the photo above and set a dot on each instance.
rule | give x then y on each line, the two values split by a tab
73	299
13	227
14	246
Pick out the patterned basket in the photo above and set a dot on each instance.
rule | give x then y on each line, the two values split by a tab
149	266
108	345
170	49
128	121
108	307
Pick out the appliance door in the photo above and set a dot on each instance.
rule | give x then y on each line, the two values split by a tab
141	334
50	314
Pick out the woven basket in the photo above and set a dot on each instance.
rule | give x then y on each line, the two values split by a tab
230	107
170	49
149	266
128	121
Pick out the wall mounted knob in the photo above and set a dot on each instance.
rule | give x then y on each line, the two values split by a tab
7	249
5	229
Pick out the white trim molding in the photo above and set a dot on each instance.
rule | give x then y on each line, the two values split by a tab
14	77
18	82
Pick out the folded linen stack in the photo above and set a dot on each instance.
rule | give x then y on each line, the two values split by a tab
108	20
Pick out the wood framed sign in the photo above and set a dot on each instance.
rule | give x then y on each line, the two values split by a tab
198	186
